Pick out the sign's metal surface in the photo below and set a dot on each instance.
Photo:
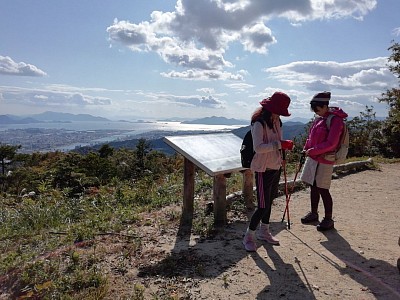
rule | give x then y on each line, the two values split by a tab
217	153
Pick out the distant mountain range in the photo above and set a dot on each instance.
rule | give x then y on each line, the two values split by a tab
290	130
225	121
57	117
216	121
49	116
9	119
67	117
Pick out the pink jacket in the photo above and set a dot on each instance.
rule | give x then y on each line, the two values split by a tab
266	144
321	140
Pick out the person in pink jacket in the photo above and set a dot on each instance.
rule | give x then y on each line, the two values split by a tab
320	148
266	164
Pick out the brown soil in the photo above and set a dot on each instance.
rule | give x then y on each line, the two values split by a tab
356	260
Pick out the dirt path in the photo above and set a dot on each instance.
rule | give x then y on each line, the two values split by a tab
357	260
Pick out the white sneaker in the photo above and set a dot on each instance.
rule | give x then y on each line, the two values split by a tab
249	242
265	235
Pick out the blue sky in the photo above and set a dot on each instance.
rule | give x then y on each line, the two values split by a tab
187	59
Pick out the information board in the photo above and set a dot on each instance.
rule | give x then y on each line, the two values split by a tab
214	153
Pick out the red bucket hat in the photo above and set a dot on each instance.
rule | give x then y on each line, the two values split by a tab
278	104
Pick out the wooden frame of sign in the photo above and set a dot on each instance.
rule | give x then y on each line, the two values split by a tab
218	155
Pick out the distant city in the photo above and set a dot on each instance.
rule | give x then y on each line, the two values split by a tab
51	131
45	140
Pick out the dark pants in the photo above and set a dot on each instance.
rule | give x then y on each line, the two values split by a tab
267	184
315	195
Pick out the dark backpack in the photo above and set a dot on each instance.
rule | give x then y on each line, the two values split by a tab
246	151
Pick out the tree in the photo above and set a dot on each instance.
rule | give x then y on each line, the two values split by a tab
105	151
143	148
124	161
7	154
94	165
364	134
391	127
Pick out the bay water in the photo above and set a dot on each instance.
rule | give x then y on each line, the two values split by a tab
120	130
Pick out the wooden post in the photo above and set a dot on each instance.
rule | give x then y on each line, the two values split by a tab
247	189
219	195
188	192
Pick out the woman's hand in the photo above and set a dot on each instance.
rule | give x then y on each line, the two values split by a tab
307	152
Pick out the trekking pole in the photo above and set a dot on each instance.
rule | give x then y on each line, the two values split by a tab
301	162
286	187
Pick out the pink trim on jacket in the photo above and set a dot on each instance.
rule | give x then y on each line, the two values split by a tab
266	144
321	140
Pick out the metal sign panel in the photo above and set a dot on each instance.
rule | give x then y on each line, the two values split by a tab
217	153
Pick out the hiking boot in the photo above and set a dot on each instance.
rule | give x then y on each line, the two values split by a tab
265	235
325	224
309	218
249	242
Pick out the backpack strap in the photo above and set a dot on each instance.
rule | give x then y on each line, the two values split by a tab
261	121
264	129
329	120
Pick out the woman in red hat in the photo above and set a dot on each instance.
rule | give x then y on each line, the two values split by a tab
266	164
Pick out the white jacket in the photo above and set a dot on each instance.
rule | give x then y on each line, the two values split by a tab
266	144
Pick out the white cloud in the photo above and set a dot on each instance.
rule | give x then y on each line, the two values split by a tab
206	90
333	9
9	67
317	75
240	86
44	97
257	38
197	34
355	103
396	31
73	89
184	54
194	74
188	100
243	104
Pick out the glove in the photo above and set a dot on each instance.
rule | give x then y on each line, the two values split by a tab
287	144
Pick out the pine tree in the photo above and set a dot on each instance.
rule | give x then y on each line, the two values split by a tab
391	127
